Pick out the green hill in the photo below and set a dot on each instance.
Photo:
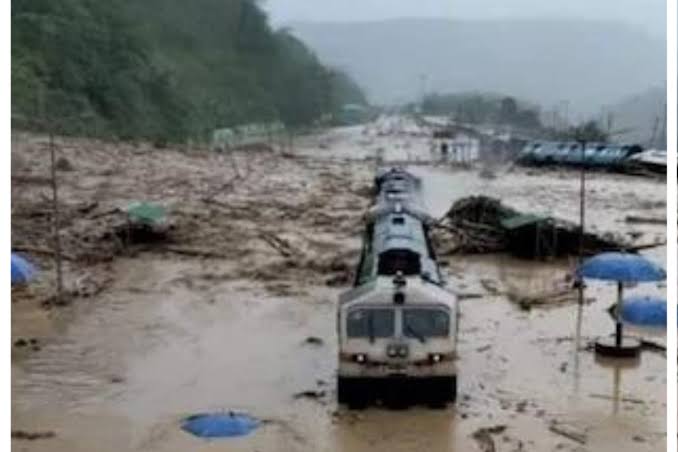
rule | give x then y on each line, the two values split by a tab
163	69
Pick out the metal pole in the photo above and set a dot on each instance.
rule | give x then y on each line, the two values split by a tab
582	200
582	212
620	326
580	308
617	387
55	220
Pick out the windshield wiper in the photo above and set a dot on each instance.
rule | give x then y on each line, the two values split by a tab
370	327
415	333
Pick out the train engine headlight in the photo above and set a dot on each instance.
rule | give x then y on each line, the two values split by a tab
392	351
435	358
360	358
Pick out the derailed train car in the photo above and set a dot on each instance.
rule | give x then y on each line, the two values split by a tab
596	155
397	326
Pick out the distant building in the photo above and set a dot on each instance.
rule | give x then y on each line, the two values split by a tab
353	114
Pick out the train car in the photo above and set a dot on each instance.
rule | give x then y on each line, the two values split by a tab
596	155
397	327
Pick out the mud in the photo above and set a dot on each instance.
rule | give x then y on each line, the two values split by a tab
221	317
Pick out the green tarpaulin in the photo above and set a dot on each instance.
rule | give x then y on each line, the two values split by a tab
147	213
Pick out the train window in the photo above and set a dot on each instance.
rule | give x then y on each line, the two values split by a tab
371	323
398	220
423	323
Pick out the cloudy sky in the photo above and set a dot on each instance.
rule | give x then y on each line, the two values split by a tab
648	14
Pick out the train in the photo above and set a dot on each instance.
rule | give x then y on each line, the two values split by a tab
596	155
397	326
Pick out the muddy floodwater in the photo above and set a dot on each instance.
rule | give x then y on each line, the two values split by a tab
173	335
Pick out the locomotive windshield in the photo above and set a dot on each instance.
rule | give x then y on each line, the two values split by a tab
424	323
371	323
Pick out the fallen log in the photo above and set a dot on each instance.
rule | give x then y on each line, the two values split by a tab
622	399
568	433
193	252
105	213
645	246
31	436
644	220
281	246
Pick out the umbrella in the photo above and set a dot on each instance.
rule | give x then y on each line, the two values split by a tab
623	268
22	270
220	425
644	311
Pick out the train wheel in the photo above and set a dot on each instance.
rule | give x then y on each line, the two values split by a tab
451	387
351	393
441	392
343	391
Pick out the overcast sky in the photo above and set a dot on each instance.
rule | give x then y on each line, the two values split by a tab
648	14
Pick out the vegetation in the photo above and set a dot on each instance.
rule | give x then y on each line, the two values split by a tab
491	109
163	69
589	131
474	108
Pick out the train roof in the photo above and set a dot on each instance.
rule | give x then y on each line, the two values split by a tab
380	291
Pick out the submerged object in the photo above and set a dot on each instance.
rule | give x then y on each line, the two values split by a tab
220	425
22	270
644	311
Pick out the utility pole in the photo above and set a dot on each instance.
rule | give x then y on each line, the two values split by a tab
422	79
663	134
55	219
655	126
56	235
582	213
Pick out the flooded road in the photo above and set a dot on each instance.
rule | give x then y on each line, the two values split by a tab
176	336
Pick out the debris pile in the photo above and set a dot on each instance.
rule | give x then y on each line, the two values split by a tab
89	234
485	437
480	224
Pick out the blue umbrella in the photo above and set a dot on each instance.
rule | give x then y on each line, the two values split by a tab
220	425
22	270
644	311
623	268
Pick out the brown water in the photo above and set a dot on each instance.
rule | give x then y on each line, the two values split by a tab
119	372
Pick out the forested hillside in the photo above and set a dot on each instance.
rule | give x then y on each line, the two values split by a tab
163	69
